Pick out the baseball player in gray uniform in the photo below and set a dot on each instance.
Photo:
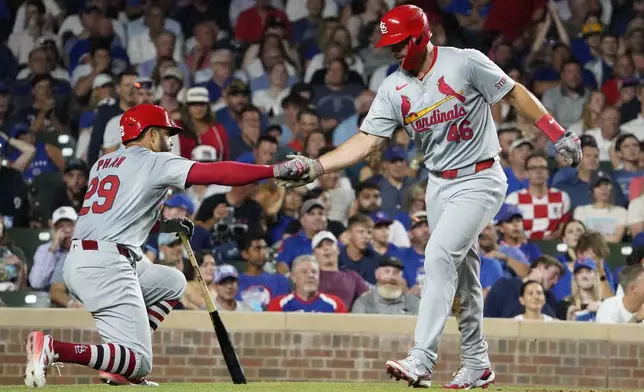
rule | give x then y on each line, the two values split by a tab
442	96
129	299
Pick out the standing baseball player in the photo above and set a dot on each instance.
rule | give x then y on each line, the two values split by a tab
442	96
123	203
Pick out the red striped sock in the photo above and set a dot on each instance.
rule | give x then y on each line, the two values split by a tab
159	311
109	357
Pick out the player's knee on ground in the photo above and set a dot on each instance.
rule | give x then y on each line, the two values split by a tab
145	366
177	286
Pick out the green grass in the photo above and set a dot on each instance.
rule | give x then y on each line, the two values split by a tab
280	387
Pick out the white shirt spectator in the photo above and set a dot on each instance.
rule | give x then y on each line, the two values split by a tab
603	220
297	9
268	103
80	72
74	25
112	135
603	144
256	69
137	27
612	311
51	8
636	127
317	63
546	318
636	210
378	76
58	73
21	44
141	48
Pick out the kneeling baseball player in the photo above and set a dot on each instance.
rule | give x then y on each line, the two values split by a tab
122	206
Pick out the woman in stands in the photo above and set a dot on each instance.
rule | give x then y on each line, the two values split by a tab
602	215
572	230
13	270
586	295
590	115
192	298
532	297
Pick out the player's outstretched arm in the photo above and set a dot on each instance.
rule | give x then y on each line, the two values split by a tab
235	173
567	143
348	153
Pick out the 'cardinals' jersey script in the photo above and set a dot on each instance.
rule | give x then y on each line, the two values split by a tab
125	194
447	113
322	303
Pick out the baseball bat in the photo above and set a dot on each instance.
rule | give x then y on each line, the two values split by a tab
227	349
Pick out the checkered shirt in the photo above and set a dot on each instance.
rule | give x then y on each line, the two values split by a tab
541	216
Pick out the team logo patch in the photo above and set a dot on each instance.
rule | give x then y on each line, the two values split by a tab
383	28
420	120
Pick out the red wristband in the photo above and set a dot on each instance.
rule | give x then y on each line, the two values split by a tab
550	127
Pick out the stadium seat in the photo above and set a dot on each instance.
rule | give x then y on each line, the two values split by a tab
29	240
25	299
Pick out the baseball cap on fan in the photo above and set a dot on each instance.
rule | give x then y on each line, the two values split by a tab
64	212
585	263
506	213
204	153
321	236
521	142
168	239
173	72
225	271
308	205
418	218
102	80
395	152
144	83
381	218
180	200
197	95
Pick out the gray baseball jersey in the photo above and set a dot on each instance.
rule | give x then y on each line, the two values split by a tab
126	191
447	113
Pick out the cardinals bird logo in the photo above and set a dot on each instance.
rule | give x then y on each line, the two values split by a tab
446	89
405	106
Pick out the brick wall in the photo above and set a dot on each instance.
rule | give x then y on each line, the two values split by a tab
189	355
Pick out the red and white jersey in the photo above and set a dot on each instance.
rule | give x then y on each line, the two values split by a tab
541	215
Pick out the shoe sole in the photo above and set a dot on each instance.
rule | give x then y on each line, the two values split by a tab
395	370
36	372
118	380
483	384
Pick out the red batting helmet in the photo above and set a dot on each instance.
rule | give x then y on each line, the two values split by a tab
140	117
402	22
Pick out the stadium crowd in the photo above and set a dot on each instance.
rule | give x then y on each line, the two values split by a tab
255	80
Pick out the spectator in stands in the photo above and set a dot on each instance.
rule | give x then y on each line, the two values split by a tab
263	153
413	258
414	202
517	173
24	151
287	121
602	215
307	121
272	50
13	269
593	107
171	251
349	126
14	203
369	202
72	191
270	99
544	209
357	255
5	96
346	284
628	308
250	24
380	235
200	127
507	137
220	74
99	62
237	97
226	287
39	157
37	26
635	216
576	182
502	300
335	99
533	299
636	125
567	100
394	184
141	46
41	60
491	256
627	151
306	296
195	12
256	286
250	124
623	69
389	296
193	298
583	303
287	215
170	90
45	114
338	47
514	242
125	90
305	30
572	231
50	256
236	204
143	93
591	245
607	132
165	46
199	58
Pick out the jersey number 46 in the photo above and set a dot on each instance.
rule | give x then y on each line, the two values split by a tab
460	132
106	190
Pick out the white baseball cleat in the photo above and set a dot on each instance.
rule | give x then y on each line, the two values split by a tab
466	378
40	356
117	379
411	370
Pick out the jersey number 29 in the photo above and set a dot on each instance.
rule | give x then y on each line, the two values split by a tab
460	132
106	189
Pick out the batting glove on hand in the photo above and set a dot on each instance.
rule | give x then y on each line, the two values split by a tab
310	170
177	225
569	146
